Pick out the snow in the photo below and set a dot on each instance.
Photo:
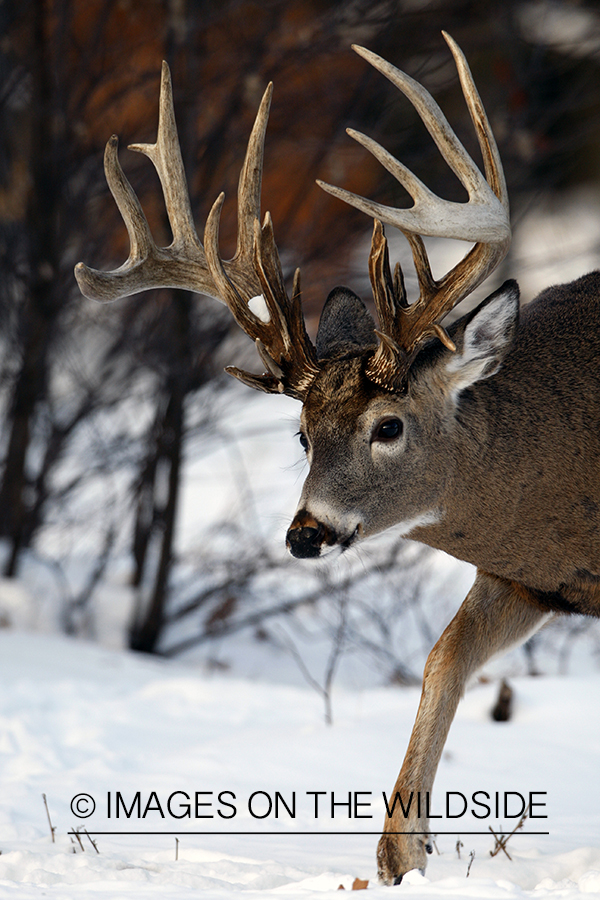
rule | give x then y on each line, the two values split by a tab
258	305
76	718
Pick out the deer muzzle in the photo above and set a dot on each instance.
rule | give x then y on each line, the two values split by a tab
307	536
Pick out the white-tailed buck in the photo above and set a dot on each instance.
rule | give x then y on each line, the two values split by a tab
482	440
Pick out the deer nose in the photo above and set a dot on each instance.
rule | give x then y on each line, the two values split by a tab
306	536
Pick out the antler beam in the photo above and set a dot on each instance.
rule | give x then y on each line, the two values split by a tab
182	264
484	219
251	284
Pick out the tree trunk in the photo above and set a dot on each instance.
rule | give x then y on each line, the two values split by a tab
146	633
39	305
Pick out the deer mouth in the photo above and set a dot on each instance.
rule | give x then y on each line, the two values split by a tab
346	543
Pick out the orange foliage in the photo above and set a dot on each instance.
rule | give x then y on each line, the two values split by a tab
106	55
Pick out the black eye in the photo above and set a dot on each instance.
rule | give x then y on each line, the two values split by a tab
303	441
388	430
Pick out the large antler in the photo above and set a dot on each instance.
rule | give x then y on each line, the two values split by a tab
251	283
483	219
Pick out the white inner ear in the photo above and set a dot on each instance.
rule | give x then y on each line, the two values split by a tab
485	338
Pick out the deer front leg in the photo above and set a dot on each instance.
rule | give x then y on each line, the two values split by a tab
495	615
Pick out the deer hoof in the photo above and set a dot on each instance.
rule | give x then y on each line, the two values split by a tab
397	854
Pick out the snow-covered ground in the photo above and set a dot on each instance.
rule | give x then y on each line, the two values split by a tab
76	719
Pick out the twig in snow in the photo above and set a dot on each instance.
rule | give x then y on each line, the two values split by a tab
502	840
91	840
471	858
52	828
75	834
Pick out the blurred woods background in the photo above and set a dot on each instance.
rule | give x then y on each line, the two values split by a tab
106	410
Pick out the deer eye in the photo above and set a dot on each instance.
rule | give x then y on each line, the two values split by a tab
303	441
388	430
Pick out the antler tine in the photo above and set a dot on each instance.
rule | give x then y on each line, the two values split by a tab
249	187
165	155
106	286
494	172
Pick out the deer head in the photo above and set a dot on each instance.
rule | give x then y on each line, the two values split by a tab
366	391
377	425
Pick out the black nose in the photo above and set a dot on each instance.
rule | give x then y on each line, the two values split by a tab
306	536
305	542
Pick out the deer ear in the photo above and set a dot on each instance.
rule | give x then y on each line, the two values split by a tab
483	338
346	327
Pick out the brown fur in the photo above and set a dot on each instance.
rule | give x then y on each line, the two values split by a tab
502	471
